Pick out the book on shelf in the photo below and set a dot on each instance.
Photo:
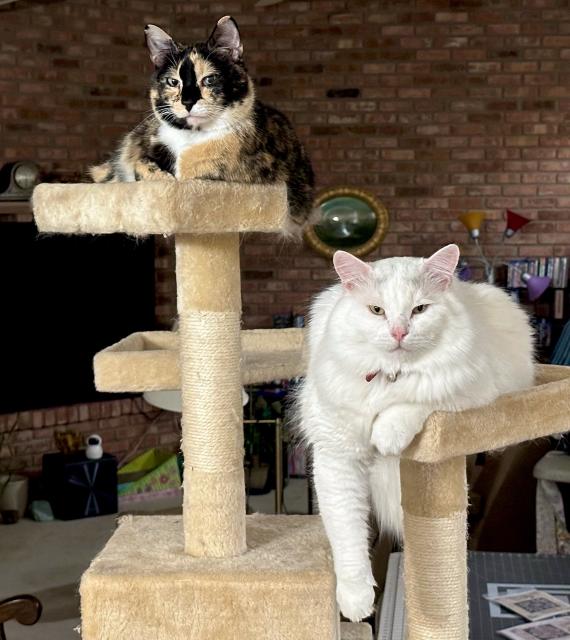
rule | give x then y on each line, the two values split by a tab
558	304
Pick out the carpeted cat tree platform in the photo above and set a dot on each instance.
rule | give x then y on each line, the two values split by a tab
215	574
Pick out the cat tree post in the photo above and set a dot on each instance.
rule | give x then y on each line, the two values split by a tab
434	500
209	308
434	495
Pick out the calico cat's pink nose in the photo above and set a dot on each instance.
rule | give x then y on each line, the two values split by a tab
399	333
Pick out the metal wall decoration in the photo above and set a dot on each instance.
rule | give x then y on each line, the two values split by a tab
350	219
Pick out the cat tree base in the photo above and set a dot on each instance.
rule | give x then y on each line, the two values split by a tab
143	585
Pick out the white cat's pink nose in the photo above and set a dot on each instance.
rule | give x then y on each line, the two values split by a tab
399	333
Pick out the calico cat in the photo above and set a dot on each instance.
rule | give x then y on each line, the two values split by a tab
203	98
392	342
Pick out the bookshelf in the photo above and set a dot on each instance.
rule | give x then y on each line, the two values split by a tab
550	311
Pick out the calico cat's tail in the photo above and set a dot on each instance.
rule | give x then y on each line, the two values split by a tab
386	495
102	172
294	227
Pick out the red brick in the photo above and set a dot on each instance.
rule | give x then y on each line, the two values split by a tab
521	141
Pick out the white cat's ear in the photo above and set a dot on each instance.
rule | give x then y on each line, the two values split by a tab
442	264
351	271
160	44
226	36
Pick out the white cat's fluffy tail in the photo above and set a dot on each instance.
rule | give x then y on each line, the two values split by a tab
386	495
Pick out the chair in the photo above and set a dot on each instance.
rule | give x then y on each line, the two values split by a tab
24	609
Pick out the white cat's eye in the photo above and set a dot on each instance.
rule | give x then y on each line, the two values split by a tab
208	81
376	310
420	308
172	82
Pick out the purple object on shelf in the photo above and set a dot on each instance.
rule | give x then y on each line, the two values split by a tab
464	271
536	285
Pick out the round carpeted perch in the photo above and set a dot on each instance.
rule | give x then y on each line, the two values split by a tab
216	574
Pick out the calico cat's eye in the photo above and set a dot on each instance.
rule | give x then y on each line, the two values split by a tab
208	81
376	310
172	82
419	309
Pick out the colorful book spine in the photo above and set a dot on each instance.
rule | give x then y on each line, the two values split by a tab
559	304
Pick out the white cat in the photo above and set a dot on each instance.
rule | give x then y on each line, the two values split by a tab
394	341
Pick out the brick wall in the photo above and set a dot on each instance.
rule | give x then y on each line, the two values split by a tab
126	426
435	106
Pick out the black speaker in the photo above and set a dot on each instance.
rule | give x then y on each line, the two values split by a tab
77	487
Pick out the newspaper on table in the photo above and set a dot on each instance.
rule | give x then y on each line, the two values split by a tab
533	605
554	629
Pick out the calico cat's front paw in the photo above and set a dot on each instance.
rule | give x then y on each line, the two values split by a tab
150	171
355	597
393	430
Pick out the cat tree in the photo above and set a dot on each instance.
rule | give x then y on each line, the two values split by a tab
215	574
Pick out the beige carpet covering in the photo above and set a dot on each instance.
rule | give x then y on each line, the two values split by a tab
512	418
355	631
143	585
162	206
149	360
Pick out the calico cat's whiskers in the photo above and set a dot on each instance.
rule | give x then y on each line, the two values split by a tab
150	116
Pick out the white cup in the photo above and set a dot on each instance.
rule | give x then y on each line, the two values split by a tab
94	449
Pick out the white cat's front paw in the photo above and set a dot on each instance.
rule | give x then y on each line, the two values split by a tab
355	597
391	435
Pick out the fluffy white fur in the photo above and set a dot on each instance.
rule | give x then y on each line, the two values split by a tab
465	346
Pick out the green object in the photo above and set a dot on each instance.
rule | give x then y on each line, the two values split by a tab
346	221
40	510
153	471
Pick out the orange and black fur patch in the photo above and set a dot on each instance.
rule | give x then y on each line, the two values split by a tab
203	99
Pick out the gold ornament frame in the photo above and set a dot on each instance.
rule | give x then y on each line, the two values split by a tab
359	250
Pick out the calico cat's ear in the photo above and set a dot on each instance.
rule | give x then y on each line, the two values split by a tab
159	43
351	271
226	36
441	265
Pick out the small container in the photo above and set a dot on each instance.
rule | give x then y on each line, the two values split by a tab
94	450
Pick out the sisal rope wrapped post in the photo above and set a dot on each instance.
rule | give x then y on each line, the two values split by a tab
209	308
434	499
